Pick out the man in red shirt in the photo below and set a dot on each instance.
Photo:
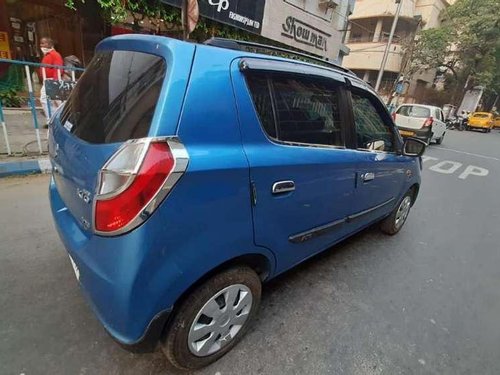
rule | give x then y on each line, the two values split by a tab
50	57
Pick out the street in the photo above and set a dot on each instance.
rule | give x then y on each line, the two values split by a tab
426	301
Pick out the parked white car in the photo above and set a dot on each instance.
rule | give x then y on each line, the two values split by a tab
421	121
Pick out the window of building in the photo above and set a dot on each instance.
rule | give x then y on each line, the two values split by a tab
371	130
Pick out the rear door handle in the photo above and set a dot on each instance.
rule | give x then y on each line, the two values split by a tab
281	187
365	177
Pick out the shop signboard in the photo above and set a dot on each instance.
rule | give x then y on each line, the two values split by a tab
304	33
4	45
243	14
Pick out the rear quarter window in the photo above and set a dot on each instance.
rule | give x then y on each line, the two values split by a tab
116	97
420	112
404	111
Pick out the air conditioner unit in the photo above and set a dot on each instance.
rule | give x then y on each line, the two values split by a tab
328	3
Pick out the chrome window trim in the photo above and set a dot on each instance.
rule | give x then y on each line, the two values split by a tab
181	162
300	144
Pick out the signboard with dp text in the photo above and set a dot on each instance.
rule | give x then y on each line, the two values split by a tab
243	14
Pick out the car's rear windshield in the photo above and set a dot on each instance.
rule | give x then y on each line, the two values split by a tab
116	97
481	115
414	111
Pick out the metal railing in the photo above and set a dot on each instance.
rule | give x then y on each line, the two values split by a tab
60	69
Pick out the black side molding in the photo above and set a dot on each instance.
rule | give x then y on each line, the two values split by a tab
324	229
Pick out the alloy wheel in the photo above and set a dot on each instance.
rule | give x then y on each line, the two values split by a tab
403	211
220	320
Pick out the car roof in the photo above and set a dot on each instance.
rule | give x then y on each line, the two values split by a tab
233	54
481	113
132	41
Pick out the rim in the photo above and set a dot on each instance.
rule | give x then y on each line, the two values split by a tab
403	211
219	320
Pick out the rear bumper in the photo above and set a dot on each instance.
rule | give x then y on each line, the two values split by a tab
480	126
422	134
112	279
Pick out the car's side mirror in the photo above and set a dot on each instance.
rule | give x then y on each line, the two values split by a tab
413	147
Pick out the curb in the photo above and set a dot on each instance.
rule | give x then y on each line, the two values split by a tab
16	168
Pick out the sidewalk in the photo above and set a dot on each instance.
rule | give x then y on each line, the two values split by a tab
26	157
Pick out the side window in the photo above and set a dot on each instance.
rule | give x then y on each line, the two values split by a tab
371	131
262	101
307	111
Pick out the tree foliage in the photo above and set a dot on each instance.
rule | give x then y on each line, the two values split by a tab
467	43
117	11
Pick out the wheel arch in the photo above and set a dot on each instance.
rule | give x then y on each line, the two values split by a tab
260	263
414	189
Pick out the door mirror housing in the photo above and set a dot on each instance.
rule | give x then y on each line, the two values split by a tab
414	147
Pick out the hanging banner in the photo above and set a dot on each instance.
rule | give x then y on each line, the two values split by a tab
243	14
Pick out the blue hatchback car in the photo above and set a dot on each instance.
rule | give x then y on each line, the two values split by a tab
185	176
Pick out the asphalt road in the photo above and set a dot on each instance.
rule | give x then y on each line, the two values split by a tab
426	301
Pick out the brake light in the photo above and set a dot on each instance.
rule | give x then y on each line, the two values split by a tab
133	183
428	122
393	114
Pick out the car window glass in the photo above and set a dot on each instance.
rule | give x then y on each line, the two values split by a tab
420	112
115	99
307	111
263	103
404	110
371	130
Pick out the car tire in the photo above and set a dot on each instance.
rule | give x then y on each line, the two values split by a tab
187	349
395	221
429	140
440	139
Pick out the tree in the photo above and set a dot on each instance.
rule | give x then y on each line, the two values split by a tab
467	44
118	10
158	13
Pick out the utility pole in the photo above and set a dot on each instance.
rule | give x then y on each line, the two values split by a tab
388	46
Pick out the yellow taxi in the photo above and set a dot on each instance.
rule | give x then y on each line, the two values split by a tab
496	122
481	120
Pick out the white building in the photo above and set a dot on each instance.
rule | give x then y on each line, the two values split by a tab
370	25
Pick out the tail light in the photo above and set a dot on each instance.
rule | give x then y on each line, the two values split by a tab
393	114
428	122
134	182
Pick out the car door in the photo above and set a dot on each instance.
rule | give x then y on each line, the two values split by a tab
380	170
439	127
301	174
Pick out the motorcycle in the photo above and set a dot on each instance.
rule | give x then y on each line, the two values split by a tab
458	123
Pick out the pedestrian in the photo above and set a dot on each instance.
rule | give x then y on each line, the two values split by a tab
50	57
71	62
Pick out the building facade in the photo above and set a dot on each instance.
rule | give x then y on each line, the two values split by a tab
315	26
369	30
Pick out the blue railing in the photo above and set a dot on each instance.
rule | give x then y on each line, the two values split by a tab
31	95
